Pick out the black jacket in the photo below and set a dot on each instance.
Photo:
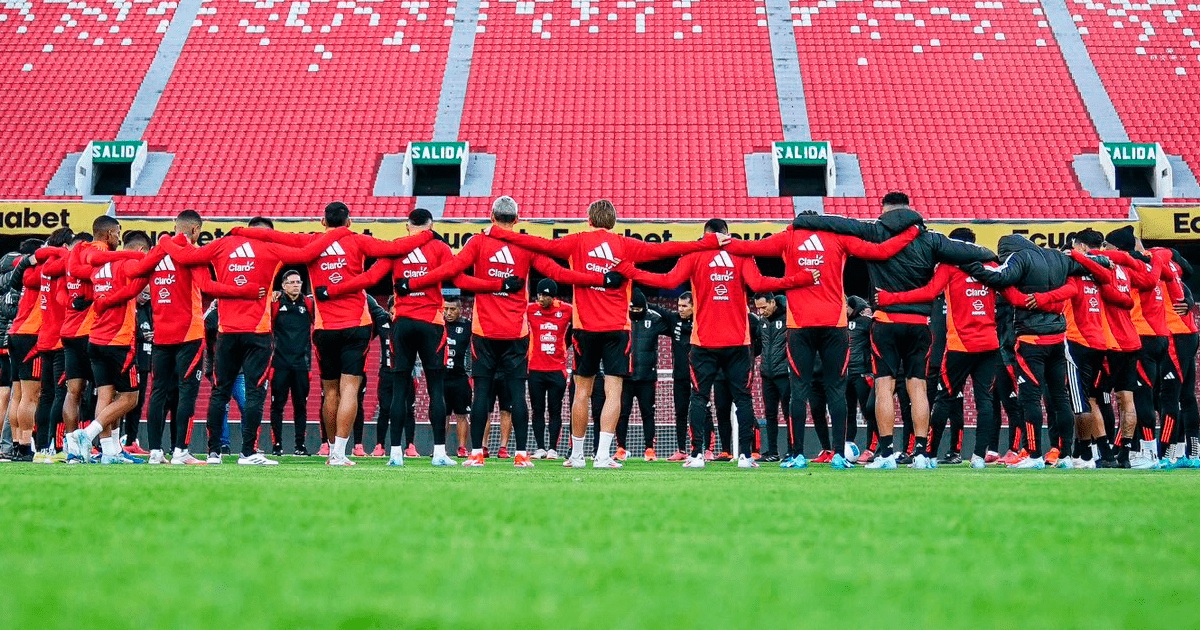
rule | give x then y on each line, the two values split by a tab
860	345
937	328
680	332
11	266
643	344
1006	331
293	332
1031	269
458	347
383	329
772	333
913	266
145	325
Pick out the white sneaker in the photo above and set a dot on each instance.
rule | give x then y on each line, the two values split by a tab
334	460
1031	462
745	462
257	459
694	462
80	443
1142	461
977	462
443	460
1084	464
921	462
551	454
883	463
574	462
213	459
184	458
1065	463
539	454
1175	452
606	462
156	457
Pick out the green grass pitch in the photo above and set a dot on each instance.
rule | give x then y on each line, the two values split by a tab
651	546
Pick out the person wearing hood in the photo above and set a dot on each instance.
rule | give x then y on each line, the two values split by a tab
646	326
1041	334
901	340
860	380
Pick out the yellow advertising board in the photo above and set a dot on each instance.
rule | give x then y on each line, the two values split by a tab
1169	223
39	218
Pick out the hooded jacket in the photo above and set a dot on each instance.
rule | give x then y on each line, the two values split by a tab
11	265
1031	269
913	266
860	337
772	332
643	351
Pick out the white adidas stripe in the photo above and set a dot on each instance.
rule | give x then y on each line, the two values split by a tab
334	249
105	271
244	251
721	260
416	257
166	264
603	251
504	257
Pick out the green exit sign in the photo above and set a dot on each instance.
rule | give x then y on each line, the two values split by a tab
438	152
1132	153
802	152
116	152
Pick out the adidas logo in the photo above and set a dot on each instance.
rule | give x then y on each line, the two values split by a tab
603	252
245	251
415	258
813	244
721	260
1169	377
166	264
334	249
504	257
105	271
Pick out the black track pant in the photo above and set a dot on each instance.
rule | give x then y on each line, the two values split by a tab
722	409
1189	415
860	396
1006	397
777	395
546	390
360	417
1044	375
133	420
293	382
683	398
1157	391
383	412
643	392
735	363
249	353
48	413
413	338
177	370
956	367
832	344
818	408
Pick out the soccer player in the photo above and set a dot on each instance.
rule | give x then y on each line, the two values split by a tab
1041	337
816	318
76	326
458	381
776	390
646	326
1182	322
244	337
550	324
680	322
860	379
53	269
292	315
27	364
110	344
342	325
500	340
721	337
601	318
900	338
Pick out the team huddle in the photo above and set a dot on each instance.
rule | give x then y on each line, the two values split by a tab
1100	339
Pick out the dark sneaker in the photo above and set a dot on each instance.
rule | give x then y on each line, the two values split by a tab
301	451
225	449
770	457
277	450
950	459
904	459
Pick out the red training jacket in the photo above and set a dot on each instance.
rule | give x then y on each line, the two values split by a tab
548	347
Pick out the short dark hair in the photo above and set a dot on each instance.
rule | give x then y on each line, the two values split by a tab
1092	238
770	297
136	237
289	273
687	295
807	213
454	299
337	214
82	237
261	221
717	226
963	234
60	237
420	217
104	223
895	198
30	245
189	216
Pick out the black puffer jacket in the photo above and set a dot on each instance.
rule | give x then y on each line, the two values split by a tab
772	332
913	266
8	297
645	329
1031	269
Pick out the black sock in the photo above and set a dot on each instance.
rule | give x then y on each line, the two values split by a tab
921	447
885	446
1105	448
1083	448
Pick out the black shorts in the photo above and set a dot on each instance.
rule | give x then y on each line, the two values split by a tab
1083	375
78	364
457	392
114	366
900	350
501	359
1122	371
342	351
26	365
5	369
413	338
610	348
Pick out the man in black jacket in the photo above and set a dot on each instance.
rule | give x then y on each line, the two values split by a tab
8	310
900	338
646	326
381	318
774	371
293	360
860	380
143	344
680	324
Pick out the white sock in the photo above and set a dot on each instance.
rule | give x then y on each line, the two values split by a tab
397	452
439	450
339	446
92	431
576	447
604	445
110	446
477	451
